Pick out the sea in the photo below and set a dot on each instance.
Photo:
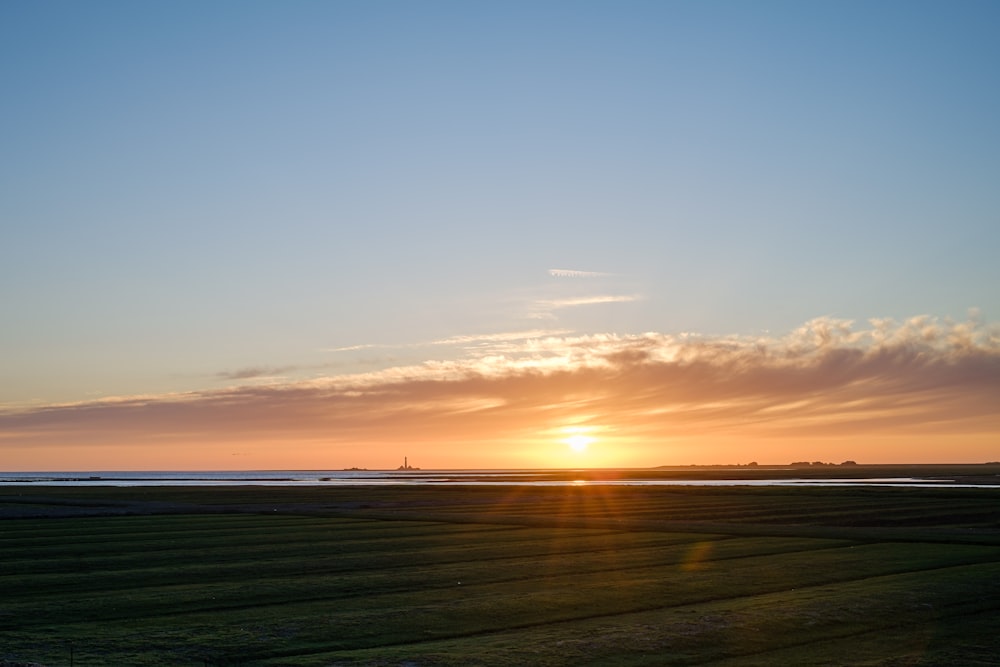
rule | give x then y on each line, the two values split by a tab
354	477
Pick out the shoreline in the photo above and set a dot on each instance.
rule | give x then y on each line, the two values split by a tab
984	474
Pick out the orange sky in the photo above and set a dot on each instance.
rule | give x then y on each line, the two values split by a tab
920	391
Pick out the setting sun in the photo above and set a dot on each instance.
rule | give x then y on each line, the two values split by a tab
578	442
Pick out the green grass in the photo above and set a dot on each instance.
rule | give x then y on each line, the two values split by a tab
499	576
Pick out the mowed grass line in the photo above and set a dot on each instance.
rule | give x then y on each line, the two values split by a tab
369	610
850	505
783	513
276	588
103	574
95	533
109	548
121	550
370	562
963	639
943	617
390	623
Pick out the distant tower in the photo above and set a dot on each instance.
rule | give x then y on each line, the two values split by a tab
406	463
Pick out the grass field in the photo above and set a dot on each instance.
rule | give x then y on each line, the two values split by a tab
500	575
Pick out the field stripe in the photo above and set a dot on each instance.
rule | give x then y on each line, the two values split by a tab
729	628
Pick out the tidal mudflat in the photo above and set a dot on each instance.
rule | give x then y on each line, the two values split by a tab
499	575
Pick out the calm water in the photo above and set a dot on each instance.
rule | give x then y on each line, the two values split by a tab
437	477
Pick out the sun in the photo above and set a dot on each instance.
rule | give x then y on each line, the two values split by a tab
579	442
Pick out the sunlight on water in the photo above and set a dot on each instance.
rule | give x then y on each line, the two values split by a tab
630	477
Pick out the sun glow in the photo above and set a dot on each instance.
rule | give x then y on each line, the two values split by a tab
577	439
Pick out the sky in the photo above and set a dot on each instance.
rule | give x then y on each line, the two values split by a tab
315	235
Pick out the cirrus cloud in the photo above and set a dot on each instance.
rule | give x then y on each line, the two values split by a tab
573	273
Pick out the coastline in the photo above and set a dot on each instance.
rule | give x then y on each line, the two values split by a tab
985	474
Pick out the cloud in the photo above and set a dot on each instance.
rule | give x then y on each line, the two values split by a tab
573	273
544	309
354	348
463	340
924	377
500	337
571	302
254	372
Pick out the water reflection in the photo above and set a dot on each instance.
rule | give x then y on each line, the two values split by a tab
630	477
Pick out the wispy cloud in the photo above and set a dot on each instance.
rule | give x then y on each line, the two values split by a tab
573	273
570	302
500	337
463	340
355	348
255	372
921	377
545	309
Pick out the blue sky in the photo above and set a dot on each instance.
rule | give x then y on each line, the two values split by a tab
196	193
